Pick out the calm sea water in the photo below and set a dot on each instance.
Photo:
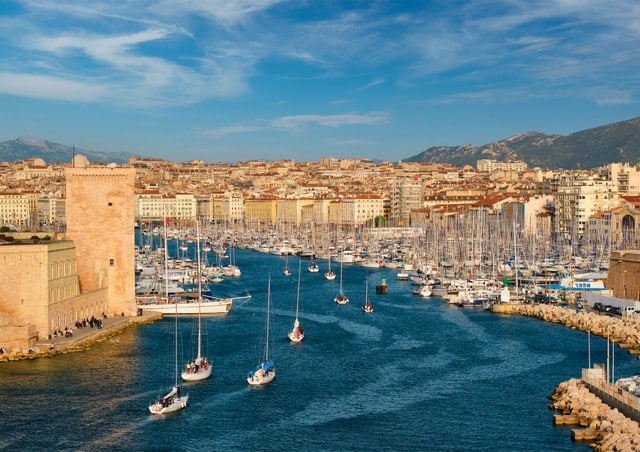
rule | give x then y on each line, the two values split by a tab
416	374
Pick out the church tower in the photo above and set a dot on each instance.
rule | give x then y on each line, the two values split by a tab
100	221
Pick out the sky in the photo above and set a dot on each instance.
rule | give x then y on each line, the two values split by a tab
237	80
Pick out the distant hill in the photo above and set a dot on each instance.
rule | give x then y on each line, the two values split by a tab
588	149
32	147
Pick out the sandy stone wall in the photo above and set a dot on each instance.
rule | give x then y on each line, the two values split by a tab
100	220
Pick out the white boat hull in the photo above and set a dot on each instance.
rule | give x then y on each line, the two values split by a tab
176	404
201	374
294	336
260	377
185	308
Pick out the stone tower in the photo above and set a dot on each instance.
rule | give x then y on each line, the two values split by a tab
100	221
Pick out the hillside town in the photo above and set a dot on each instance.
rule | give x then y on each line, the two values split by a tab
597	206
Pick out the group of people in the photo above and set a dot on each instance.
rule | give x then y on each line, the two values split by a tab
197	364
92	322
168	400
68	332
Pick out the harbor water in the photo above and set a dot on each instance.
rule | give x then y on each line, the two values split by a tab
417	374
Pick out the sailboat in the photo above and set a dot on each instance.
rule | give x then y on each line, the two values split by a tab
313	267
174	400
329	274
341	298
199	368
286	271
297	333
367	307
265	372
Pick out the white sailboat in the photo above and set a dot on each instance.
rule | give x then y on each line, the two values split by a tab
174	400
199	368
286	271
329	274
265	372
297	333
367	307
341	298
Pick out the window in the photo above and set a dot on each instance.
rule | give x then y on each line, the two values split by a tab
112	262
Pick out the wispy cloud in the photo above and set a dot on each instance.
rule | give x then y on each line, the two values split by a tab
295	122
345	119
51	88
371	84
221	132
174	53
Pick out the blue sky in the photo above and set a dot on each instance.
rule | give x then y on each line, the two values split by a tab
233	80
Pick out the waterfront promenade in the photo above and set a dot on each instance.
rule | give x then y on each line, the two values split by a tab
82	338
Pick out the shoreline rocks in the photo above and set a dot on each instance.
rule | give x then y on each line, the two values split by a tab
624	331
607	427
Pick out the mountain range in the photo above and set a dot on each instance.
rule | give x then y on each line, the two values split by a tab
587	149
32	147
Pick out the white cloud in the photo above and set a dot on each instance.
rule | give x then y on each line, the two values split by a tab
372	83
52	88
346	119
221	132
300	121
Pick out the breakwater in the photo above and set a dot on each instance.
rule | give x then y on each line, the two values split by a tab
608	428
623	331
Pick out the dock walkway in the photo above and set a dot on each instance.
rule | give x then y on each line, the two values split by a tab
82	338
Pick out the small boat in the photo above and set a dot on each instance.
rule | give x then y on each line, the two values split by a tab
286	271
425	291
217	278
313	267
265	372
330	275
297	333
367	307
382	288
341	298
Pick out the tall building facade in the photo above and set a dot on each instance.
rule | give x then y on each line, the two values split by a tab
407	196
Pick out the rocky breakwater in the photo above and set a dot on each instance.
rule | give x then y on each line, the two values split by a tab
624	331
609	429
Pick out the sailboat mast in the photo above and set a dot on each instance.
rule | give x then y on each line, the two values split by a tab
298	292
199	276
266	345
166	292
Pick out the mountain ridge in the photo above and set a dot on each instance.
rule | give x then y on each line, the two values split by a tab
587	149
